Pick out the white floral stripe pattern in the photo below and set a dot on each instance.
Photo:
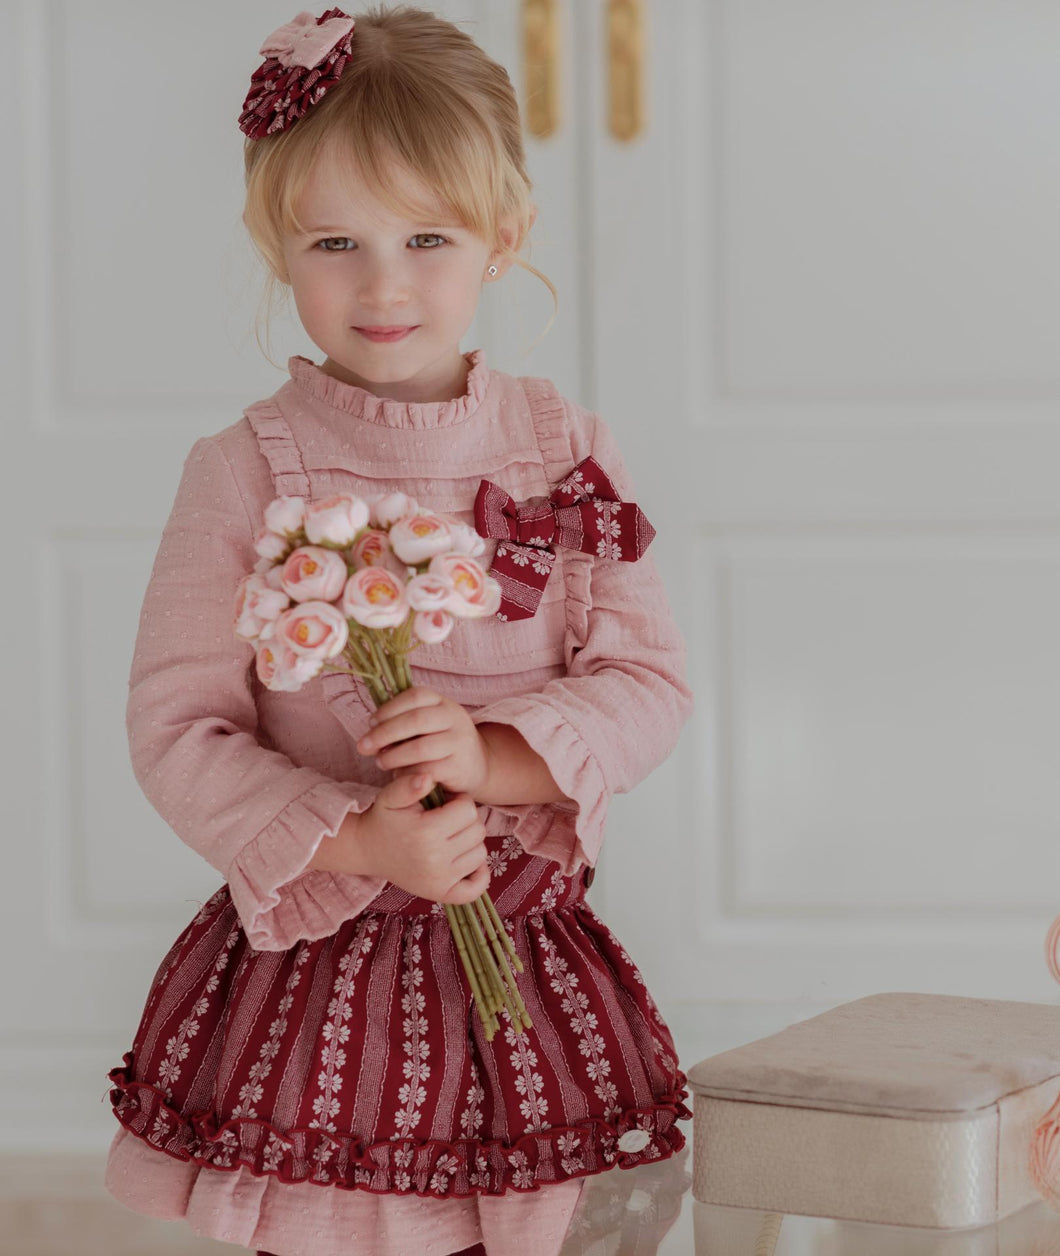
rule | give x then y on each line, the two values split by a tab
471	1117
252	1089
414	1028
571	1158
337	1032
499	858
550	896
666	1059
529	1084
610	530
178	1046
584	1023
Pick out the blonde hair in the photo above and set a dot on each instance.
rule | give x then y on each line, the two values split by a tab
417	91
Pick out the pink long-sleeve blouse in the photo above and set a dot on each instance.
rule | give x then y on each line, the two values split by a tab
255	780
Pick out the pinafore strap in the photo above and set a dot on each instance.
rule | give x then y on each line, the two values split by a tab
277	443
549	418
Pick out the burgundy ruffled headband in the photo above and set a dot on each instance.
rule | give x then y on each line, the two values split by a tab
303	59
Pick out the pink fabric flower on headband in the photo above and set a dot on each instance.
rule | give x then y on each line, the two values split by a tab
304	58
304	42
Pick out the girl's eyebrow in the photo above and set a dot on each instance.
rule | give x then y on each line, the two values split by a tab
423	222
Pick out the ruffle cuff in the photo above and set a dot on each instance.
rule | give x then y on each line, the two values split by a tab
571	833
279	902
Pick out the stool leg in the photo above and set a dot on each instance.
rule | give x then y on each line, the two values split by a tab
769	1233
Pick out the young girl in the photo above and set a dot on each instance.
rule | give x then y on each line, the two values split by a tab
310	1075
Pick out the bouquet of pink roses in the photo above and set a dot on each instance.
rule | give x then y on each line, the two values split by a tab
368	581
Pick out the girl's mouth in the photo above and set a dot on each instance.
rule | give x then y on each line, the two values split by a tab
384	335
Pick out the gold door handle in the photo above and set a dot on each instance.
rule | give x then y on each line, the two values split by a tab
625	83
540	58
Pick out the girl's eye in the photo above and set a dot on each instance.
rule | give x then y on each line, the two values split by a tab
324	245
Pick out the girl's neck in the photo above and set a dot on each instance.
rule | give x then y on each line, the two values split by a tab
440	381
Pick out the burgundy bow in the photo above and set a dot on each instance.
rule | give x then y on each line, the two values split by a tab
584	512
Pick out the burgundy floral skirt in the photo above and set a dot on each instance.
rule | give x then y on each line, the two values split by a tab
359	1060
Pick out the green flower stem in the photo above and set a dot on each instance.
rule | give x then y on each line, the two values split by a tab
383	662
482	973
381	657
362	656
512	997
367	646
346	671
457	930
481	949
509	945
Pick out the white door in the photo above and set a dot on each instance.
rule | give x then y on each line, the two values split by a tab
824	319
814	299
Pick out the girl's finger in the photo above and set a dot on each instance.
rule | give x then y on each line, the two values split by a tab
407	700
427	750
400	727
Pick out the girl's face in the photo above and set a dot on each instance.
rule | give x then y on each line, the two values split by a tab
359	266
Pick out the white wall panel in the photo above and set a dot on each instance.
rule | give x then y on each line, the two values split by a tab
122	878
889	724
889	188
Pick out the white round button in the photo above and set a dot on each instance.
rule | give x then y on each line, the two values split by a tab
634	1140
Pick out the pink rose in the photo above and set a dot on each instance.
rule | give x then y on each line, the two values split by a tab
419	537
432	626
466	540
316	630
285	515
372	549
476	594
335	520
269	545
271	571
279	668
390	507
314	573
429	592
375	598
256	606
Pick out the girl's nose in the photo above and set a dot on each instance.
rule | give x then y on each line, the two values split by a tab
382	285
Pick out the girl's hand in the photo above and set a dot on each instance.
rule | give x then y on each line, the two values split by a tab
420	731
437	853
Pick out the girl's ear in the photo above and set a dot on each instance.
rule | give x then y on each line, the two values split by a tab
508	231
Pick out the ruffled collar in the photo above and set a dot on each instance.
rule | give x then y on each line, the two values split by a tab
361	403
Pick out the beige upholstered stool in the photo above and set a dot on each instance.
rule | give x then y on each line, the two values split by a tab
904	1109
